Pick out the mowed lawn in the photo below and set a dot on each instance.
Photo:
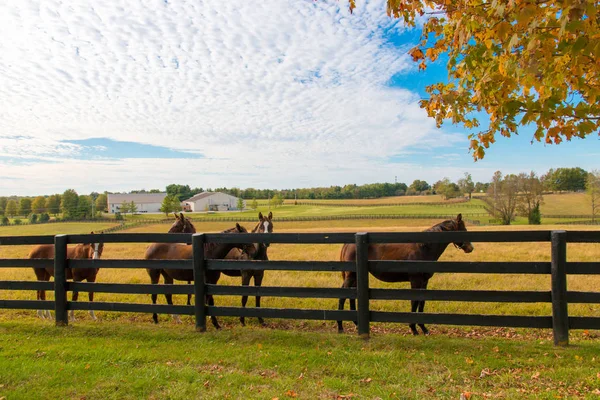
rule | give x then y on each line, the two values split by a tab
126	356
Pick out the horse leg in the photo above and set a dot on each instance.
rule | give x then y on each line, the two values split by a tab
349	281
421	308
154	277
415	304
74	299
41	276
258	277
245	282
189	301
212	277
169	297
211	302
91	297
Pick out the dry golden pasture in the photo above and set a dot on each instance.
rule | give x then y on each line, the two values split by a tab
483	252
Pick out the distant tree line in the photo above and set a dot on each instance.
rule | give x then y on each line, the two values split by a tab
525	199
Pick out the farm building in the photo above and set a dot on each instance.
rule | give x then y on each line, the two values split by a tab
211	201
145	202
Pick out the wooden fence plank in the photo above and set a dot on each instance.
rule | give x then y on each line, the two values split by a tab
462	295
26	285
463	319
326	266
131	307
130	288
60	280
21	240
583	268
584	322
27	304
583	297
449	237
560	313
150	264
27	263
198	241
583	236
461	267
273	291
362	283
305	238
132	238
287	313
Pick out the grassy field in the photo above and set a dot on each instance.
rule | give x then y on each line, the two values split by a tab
483	252
566	204
126	356
55	228
132	361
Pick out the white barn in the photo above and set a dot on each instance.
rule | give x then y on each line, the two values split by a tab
211	201
145	202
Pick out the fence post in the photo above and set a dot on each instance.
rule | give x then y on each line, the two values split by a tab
60	280
199	281
362	283
560	314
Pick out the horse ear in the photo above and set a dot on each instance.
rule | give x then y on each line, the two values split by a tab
238	227
260	216
270	215
92	232
176	216
459	218
181	216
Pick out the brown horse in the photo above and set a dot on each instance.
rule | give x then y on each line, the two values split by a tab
182	225
81	251
265	225
403	251
176	251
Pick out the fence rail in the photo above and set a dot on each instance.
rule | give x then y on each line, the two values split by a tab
557	294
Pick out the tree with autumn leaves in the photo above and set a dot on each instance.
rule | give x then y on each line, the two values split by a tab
522	62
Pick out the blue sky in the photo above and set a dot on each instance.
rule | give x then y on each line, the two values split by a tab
126	95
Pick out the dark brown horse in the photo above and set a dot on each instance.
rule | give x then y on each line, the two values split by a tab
404	251
81	251
176	251
264	225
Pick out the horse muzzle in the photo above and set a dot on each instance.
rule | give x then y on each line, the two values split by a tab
466	247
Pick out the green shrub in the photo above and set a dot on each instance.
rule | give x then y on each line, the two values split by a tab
535	216
119	216
44	217
17	221
5	220
33	218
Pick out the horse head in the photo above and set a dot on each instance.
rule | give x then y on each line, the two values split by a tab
459	225
248	249
265	225
182	225
96	248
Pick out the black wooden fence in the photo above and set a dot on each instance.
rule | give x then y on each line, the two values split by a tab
557	294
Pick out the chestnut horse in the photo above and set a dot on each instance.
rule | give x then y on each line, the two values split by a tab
176	251
403	251
265	225
81	251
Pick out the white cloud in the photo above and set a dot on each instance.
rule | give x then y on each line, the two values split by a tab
274	93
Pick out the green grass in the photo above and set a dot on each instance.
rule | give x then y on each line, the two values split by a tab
55	228
104	360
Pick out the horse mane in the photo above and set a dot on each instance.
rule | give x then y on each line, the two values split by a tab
211	246
444	226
